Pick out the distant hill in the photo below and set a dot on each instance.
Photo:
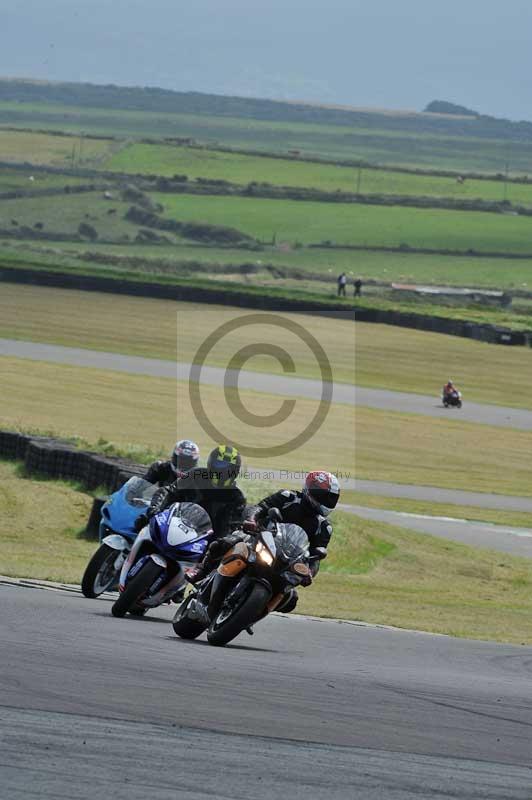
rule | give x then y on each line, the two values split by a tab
149	99
443	107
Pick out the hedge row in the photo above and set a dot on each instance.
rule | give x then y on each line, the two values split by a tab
59	459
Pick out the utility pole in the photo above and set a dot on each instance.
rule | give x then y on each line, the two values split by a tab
505	182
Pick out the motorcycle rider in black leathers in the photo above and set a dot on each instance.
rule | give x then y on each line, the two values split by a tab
185	457
308	509
213	488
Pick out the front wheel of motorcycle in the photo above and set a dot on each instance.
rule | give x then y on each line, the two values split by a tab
136	589
184	627
228	623
100	574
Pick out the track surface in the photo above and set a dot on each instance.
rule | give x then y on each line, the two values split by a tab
517	541
500	416
257	381
93	706
452	496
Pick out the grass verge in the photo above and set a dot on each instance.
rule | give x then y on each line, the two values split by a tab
155	412
412	449
41	527
419	361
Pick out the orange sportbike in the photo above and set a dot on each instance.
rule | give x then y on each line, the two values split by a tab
256	576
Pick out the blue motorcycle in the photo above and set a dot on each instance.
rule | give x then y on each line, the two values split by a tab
154	570
117	534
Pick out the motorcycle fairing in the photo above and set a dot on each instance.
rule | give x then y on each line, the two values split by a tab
116	541
124	506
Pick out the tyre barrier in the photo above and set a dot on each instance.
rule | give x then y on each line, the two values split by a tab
56	458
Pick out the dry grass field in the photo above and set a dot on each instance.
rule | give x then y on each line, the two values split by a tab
154	412
165	329
417	361
57	151
409	448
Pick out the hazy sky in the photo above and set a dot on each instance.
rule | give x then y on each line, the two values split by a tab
381	53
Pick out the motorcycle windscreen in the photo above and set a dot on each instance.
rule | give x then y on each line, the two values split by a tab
182	531
125	505
138	492
292	542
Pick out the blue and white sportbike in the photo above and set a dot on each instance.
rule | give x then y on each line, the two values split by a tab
117	534
154	571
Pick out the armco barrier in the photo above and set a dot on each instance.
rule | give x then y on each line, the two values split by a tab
59	459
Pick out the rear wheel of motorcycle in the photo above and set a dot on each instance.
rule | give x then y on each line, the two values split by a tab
184	627
136	589
100	575
224	628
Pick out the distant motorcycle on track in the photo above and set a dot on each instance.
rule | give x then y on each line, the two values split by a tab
154	570
256	576
453	399
117	534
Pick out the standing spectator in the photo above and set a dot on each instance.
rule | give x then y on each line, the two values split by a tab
358	288
342	281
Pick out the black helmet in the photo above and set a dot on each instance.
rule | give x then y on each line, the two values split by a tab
185	455
224	464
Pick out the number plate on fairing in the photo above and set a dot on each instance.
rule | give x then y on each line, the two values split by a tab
179	532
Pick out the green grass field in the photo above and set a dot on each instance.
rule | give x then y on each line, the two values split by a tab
169	160
63	214
375	573
363	225
375	145
481	272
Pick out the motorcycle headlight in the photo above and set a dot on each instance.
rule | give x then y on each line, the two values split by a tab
264	554
300	568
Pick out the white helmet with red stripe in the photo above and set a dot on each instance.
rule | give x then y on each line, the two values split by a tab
322	491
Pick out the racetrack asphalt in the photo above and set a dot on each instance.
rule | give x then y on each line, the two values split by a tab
94	706
500	416
504	538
